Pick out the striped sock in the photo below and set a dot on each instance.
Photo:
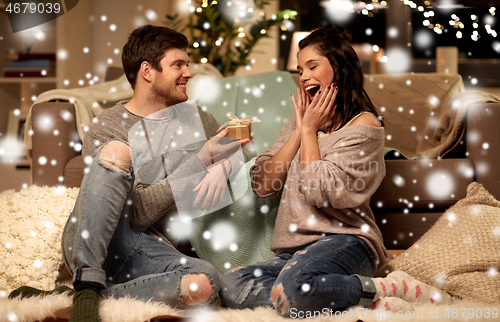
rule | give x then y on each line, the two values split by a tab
393	304
399	284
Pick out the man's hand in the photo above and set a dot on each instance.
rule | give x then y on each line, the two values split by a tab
213	152
213	186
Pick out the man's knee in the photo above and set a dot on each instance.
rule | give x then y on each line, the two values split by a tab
196	288
116	154
275	292
279	299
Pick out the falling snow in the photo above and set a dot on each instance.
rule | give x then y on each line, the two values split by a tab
440	185
398	60
12	317
398	180
440	279
222	235
311	220
496	231
85	234
193	287
492	272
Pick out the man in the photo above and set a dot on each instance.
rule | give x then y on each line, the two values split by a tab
104	244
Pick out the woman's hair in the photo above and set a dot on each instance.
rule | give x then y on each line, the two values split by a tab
149	43
333	43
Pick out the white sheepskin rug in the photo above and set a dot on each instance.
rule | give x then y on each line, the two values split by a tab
31	222
129	310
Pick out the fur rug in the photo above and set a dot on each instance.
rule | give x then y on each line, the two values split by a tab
31	222
126	309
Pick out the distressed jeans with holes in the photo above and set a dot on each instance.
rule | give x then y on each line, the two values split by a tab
99	245
330	273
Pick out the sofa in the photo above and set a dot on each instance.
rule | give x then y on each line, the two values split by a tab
416	111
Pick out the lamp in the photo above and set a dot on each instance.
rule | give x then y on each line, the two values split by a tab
447	60
294	49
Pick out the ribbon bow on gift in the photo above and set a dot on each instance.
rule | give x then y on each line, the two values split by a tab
236	121
239	128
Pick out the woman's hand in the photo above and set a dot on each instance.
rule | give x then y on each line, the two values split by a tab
321	110
300	105
213	187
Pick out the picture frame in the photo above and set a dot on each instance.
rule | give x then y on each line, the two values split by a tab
15	130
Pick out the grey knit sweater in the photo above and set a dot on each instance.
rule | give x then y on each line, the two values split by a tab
331	195
153	204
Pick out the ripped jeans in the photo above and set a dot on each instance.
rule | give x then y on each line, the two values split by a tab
99	245
329	273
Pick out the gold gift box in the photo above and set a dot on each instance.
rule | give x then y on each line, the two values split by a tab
240	130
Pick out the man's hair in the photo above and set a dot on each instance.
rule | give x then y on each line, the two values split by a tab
149	43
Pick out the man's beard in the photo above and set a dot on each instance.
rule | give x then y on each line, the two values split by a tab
168	95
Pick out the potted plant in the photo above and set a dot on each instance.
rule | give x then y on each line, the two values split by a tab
223	32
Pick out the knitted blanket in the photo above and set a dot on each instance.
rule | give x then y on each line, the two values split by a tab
31	224
444	133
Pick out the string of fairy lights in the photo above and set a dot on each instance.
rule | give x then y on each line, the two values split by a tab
455	21
368	9
241	10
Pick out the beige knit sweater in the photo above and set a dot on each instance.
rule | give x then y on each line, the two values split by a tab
331	195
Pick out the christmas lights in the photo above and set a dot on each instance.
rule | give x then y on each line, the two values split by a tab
224	32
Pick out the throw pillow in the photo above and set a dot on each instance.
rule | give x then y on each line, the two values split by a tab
460	254
239	234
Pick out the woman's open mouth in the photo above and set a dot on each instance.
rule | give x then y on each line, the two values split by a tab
311	90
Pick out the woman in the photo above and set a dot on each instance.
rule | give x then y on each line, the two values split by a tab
327	162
